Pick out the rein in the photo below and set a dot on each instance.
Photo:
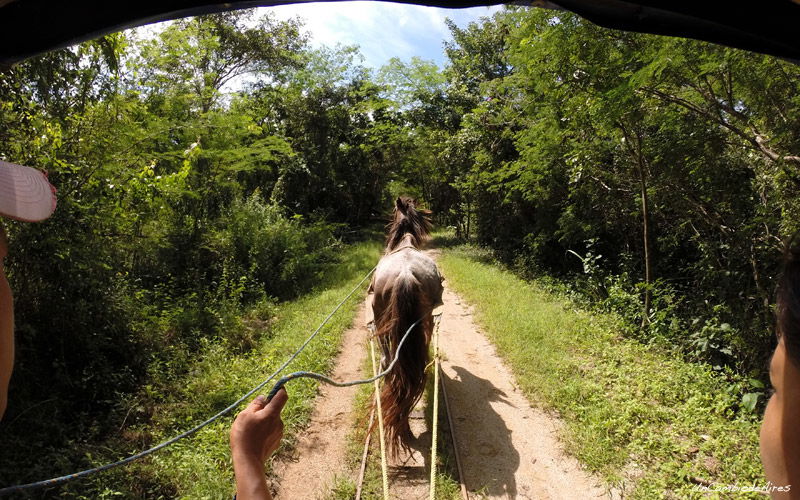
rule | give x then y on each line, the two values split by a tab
48	483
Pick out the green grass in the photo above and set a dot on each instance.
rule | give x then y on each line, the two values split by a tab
649	423
200	467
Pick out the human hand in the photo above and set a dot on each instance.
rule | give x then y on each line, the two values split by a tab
258	429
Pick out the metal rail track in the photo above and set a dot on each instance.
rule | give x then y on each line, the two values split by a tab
464	492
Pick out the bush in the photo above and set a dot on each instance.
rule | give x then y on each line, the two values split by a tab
279	256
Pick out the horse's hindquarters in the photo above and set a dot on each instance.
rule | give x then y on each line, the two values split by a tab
406	288
406	264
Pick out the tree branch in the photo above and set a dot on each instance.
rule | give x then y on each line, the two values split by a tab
755	139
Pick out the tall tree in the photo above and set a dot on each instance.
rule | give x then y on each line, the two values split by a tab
198	56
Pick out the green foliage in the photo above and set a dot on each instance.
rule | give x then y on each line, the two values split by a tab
413	84
656	175
662	164
185	388
184	217
649	422
280	256
192	59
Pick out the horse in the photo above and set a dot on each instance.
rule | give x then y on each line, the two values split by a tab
406	287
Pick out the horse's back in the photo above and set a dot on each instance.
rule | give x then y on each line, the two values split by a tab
408	263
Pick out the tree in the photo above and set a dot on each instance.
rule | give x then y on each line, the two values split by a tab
196	57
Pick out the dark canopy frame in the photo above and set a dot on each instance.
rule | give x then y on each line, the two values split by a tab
31	27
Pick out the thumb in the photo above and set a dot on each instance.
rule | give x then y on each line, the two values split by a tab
278	401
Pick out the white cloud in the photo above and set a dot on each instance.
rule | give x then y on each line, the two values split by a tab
382	30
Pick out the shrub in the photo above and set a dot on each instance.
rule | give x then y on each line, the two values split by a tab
279	256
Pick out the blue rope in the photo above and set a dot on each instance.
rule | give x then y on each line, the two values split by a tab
334	383
69	477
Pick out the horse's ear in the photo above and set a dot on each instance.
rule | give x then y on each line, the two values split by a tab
399	205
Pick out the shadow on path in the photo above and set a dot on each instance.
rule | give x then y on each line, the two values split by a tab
487	454
484	440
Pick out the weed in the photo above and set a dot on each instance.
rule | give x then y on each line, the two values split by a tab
641	416
200	467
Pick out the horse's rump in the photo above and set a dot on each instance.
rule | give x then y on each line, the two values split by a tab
403	386
406	287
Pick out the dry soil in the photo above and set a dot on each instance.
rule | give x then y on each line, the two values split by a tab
508	449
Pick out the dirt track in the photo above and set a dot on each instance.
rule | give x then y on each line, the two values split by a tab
508	449
323	443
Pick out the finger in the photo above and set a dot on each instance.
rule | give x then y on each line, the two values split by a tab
278	401
259	402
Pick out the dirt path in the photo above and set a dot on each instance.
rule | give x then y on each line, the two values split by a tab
508	449
323	443
410	473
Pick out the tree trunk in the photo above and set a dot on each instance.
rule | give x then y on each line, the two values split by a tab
634	146
648	265
469	215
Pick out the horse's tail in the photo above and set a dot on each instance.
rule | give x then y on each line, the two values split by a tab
404	384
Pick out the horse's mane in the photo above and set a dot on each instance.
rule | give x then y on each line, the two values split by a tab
407	219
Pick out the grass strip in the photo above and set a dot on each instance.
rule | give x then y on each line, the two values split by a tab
654	426
200	467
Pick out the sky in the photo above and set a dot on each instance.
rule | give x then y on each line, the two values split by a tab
382	30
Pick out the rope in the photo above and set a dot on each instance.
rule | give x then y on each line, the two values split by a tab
384	466
435	419
364	455
328	380
63	479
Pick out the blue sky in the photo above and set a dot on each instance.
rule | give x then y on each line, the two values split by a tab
382	30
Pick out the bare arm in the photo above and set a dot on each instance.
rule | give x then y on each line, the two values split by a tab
255	434
251	483
6	328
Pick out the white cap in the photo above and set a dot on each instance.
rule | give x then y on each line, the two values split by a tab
25	193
